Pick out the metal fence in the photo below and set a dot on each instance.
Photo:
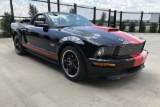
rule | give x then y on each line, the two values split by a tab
114	18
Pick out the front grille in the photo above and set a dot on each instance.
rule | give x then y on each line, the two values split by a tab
109	50
130	49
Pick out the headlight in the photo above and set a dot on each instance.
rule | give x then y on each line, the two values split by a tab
100	52
108	50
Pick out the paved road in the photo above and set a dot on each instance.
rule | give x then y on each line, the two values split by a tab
27	81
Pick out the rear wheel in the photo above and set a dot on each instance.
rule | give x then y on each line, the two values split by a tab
20	50
73	64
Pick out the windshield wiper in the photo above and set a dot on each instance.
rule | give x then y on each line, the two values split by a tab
63	26
55	14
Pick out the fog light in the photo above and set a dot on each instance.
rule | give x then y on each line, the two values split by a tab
103	64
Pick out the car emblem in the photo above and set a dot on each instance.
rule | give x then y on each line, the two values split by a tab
121	40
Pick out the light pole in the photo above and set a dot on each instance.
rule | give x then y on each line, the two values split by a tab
12	12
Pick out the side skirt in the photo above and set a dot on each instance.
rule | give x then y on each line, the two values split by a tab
45	58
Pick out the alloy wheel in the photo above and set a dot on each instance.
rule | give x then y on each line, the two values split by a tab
70	63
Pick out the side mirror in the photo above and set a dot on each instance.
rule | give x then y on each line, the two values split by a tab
42	24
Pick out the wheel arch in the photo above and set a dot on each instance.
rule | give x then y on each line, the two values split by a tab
15	32
19	33
62	46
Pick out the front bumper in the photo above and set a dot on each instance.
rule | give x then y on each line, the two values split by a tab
122	68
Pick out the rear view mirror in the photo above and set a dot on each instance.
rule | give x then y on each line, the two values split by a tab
38	22
42	24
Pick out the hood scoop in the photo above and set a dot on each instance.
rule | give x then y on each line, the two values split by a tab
112	29
108	29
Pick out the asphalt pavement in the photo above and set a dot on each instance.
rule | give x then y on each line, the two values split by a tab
28	81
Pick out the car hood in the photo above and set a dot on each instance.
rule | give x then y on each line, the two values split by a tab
103	35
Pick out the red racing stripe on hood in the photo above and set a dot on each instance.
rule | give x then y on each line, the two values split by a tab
132	39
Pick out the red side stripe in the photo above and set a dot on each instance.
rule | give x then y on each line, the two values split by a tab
139	58
50	55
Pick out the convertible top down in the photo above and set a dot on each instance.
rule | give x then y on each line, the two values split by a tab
79	47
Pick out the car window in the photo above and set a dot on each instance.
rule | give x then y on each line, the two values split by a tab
60	20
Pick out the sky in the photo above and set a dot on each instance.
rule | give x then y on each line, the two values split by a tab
21	7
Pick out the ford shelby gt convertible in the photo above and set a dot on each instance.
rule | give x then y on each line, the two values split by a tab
79	47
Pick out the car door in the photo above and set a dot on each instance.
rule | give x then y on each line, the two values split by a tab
36	36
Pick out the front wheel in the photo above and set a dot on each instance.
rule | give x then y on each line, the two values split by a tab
73	64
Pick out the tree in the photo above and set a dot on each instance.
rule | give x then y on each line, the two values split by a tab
153	27
71	10
32	10
102	20
6	23
123	26
143	27
135	21
132	27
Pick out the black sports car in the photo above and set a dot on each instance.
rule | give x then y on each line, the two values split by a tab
79	47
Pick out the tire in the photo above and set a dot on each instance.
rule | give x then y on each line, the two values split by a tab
20	50
73	64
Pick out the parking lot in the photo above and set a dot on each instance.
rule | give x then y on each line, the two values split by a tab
28	81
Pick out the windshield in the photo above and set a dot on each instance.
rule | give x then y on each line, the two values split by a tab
68	20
